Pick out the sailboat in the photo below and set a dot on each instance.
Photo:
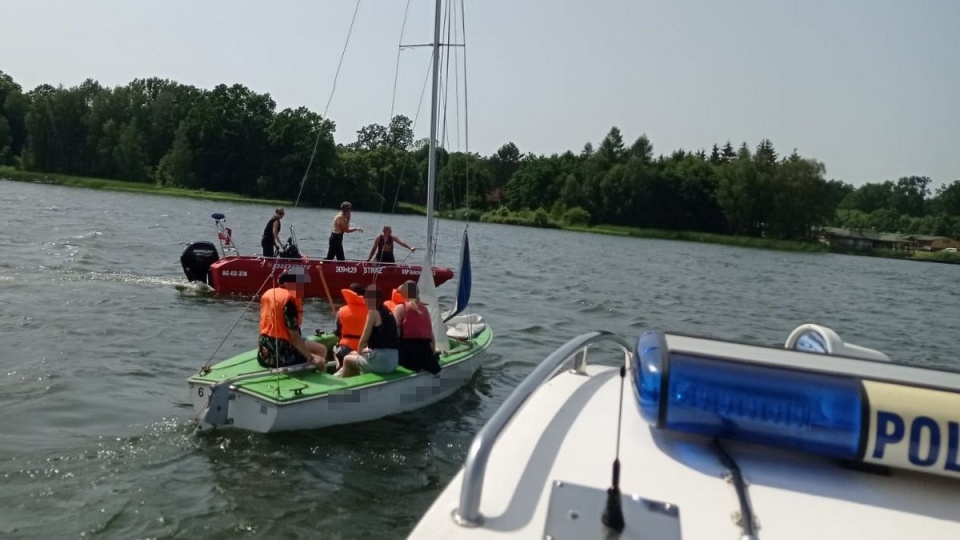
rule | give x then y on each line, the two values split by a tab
239	393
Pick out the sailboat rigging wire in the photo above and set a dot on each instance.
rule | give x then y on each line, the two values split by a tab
393	103
323	120
416	118
449	24
396	71
456	82
466	110
206	365
456	71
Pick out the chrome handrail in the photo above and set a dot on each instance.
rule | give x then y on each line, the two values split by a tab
468	513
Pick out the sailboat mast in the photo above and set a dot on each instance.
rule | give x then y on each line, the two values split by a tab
432	155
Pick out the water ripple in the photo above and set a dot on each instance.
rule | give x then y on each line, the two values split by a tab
100	329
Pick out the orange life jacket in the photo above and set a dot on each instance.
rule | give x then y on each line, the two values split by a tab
396	299
353	317
271	312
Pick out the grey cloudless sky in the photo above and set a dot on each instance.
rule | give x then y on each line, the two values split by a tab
869	87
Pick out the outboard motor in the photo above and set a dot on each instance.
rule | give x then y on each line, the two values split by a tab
196	260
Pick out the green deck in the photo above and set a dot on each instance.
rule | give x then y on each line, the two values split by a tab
282	387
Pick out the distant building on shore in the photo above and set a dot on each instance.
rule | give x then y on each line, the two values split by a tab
857	239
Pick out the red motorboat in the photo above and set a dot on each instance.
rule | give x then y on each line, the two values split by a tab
252	274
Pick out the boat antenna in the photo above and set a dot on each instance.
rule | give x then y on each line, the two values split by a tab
613	513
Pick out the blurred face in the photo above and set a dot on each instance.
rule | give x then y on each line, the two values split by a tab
370	297
387	230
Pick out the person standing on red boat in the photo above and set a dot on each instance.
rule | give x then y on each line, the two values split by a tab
341	225
383	246
270	242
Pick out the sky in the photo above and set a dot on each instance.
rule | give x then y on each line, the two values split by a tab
871	88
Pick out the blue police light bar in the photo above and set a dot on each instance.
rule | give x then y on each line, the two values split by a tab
849	408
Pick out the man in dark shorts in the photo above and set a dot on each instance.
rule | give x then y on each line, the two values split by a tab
271	235
341	225
281	316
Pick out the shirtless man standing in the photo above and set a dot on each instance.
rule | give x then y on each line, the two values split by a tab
341	225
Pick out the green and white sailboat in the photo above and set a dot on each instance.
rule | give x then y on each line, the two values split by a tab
239	393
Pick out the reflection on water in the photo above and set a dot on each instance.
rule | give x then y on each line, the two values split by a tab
100	331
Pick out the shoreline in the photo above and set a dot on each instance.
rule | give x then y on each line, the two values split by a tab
15	175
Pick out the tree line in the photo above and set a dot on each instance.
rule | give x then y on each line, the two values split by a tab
233	139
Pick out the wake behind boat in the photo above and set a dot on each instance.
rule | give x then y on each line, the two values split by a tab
721	440
228	272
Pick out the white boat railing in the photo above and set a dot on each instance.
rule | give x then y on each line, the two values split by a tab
468	513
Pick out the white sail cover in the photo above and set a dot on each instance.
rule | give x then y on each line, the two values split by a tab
428	296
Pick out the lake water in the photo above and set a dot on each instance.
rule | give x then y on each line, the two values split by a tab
99	331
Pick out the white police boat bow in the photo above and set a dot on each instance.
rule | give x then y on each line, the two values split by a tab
717	440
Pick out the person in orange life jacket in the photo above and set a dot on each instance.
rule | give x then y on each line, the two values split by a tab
383	246
377	350
396	298
281	315
350	320
341	225
418	348
270	242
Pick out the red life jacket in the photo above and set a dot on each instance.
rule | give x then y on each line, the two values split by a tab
416	324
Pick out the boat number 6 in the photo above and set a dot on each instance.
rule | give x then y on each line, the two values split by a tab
200	392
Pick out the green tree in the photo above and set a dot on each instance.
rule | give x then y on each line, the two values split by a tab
292	136
13	107
400	132
800	198
176	167
740	194
869	198
642	149
129	155
947	199
611	149
502	165
372	136
728	154
908	195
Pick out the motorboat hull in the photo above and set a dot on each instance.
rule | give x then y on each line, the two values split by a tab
251	275
545	469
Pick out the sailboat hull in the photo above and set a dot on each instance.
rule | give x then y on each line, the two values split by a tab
311	400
